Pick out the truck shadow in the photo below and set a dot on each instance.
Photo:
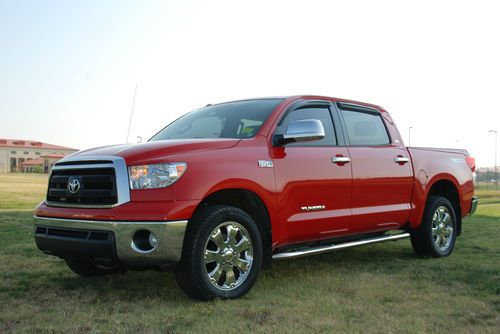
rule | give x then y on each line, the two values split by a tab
147	284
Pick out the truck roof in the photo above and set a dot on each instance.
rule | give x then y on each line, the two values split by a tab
310	97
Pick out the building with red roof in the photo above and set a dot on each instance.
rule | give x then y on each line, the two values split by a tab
32	166
19	155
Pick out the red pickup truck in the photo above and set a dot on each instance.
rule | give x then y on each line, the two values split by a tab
225	189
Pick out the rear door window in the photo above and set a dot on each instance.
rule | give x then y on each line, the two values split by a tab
365	128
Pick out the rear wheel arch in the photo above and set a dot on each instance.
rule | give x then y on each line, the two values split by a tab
252	204
449	190
437	233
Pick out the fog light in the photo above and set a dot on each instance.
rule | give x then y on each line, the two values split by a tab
153	241
144	241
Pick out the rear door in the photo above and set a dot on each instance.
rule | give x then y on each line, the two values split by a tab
314	193
381	170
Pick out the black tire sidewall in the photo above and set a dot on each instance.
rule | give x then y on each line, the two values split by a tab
207	221
434	203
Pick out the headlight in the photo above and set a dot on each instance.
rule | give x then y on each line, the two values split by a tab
155	176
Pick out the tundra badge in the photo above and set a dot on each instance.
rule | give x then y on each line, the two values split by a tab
313	208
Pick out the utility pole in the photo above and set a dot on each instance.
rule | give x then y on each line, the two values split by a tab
496	150
409	135
131	113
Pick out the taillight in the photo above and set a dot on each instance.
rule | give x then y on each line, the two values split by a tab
471	162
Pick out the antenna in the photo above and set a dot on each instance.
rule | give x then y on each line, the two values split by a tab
131	113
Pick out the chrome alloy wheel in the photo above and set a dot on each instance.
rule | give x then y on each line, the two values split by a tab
442	228
228	255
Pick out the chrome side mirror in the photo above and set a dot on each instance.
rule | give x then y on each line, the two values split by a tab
301	131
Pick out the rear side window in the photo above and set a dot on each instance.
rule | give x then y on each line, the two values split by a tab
322	114
365	128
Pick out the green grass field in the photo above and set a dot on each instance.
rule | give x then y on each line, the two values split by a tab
22	191
380	288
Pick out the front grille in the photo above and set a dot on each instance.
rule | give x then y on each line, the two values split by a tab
97	186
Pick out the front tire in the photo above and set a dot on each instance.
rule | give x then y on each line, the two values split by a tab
437	233
222	254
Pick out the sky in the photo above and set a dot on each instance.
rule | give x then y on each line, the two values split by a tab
68	69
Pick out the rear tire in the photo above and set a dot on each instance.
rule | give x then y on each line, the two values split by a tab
222	254
88	269
437	233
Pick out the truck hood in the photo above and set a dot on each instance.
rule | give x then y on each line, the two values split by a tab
156	149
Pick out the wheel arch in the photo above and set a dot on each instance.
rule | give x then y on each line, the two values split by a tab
448	188
250	202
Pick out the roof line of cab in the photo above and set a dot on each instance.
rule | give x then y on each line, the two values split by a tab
291	98
335	99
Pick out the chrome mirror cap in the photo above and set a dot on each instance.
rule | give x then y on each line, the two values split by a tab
303	130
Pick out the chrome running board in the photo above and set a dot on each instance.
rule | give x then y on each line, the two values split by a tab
328	248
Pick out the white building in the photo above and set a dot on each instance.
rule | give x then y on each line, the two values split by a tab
15	152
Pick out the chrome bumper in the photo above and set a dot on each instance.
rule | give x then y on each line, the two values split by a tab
473	207
170	235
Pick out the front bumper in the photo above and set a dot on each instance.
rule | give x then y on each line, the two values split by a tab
473	207
87	239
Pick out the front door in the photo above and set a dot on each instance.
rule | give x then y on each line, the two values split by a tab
314	192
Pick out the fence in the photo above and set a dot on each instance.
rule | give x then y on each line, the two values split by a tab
487	178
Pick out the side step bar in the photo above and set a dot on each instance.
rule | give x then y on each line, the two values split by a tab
328	248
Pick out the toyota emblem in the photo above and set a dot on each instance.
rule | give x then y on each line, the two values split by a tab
73	185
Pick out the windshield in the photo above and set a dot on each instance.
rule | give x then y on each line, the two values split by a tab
240	119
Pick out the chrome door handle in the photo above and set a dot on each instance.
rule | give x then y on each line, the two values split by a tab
341	160
401	160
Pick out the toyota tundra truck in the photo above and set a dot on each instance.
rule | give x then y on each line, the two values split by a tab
226	189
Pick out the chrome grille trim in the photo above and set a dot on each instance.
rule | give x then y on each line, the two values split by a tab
121	173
